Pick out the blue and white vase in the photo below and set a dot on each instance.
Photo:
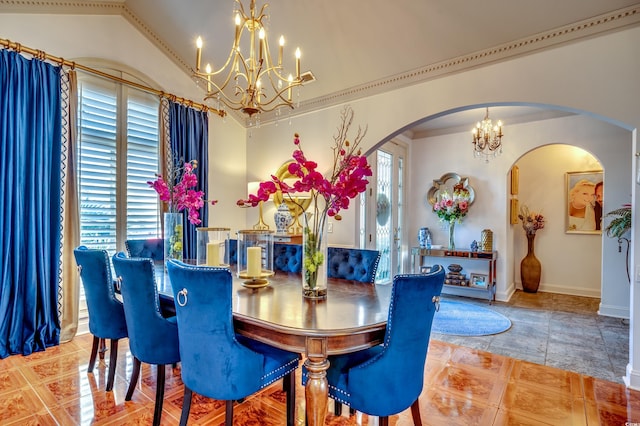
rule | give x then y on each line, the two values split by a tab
283	218
424	238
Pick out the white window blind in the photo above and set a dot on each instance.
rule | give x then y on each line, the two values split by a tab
142	164
118	155
98	165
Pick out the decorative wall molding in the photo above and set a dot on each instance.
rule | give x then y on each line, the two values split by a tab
570	33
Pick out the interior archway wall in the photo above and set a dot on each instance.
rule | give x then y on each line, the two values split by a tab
541	187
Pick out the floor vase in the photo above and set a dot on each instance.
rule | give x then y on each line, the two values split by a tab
530	268
173	236
314	260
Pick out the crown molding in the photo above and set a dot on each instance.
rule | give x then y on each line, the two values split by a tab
105	7
591	27
608	22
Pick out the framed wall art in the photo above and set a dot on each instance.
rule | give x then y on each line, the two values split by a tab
515	207
515	179
478	281
584	201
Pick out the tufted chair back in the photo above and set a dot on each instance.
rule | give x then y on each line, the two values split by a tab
216	362
287	257
152	338
106	313
388	378
232	254
152	248
353	264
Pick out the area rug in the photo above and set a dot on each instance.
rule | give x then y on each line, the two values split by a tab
466	319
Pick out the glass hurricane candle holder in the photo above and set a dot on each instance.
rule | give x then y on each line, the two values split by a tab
255	257
212	246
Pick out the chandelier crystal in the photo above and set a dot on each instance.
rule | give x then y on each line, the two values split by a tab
259	84
487	138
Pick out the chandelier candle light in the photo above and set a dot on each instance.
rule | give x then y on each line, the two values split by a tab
329	195
487	138
258	67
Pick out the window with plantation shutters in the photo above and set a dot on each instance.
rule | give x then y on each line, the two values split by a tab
118	154
142	164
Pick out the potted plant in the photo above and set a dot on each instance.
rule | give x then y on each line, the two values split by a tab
619	227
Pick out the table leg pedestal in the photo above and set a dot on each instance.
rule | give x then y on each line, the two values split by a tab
317	388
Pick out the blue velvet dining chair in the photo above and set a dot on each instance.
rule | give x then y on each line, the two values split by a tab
287	257
217	362
353	264
387	379
152	248
106	314
153	339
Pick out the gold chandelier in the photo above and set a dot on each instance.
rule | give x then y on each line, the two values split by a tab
249	74
487	138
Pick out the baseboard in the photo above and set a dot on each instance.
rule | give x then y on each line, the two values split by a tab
613	311
632	379
571	291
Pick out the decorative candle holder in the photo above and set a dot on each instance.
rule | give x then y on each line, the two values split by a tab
212	246
255	257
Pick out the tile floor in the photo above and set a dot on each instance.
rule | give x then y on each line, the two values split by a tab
463	385
558	331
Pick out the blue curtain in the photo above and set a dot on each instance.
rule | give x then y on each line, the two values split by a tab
189	135
30	157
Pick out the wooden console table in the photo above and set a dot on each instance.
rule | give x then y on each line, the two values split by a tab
487	259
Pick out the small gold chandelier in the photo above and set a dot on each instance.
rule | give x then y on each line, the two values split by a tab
487	138
248	74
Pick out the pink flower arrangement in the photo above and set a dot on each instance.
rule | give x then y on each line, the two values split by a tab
181	195
531	221
329	195
450	208
347	179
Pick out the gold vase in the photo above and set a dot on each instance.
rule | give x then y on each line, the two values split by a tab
486	240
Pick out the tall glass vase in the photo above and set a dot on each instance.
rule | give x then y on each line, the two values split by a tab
452	229
173	236
314	260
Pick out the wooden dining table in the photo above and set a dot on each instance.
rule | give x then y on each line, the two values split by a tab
352	317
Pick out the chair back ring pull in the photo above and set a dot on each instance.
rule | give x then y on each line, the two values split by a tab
181	300
118	283
436	301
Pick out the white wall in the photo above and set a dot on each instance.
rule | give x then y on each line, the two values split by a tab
572	263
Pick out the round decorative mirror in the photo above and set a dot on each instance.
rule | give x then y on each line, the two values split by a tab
446	184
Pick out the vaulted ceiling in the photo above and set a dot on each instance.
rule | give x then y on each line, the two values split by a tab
359	48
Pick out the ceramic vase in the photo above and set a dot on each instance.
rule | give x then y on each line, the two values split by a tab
173	236
530	268
282	218
424	238
314	260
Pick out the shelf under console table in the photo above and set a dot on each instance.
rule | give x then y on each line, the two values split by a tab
482	268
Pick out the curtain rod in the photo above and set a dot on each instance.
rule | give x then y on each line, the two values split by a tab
42	55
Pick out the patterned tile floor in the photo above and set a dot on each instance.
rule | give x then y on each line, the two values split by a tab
463	385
